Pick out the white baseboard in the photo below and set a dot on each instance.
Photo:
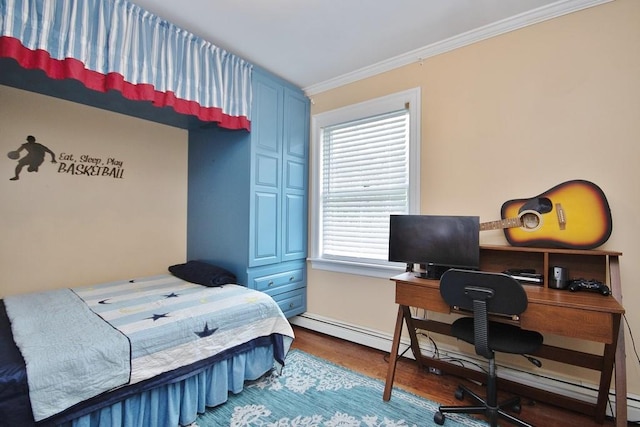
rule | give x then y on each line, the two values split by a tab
382	341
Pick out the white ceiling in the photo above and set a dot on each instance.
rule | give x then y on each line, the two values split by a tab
318	44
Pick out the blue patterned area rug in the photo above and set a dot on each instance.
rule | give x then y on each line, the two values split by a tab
313	392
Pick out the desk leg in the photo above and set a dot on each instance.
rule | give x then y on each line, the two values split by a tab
610	354
620	358
393	358
621	382
606	374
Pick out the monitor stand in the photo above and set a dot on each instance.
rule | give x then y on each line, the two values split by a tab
431	271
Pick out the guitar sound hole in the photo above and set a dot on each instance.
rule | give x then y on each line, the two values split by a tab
530	220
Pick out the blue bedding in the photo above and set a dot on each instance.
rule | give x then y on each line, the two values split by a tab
15	407
174	328
49	327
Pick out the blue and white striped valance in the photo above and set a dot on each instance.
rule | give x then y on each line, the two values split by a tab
115	44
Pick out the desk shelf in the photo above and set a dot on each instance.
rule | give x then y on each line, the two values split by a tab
591	264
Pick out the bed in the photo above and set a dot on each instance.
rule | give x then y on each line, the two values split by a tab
150	351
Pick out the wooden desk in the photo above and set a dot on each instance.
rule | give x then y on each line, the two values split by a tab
582	315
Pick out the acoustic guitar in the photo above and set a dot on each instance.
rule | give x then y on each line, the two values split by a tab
573	215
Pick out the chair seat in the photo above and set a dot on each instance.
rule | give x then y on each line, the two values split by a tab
503	337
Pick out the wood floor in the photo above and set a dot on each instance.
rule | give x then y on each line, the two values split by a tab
439	388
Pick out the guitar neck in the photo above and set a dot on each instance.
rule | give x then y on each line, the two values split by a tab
501	224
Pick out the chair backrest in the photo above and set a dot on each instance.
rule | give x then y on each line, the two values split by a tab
508	296
483	293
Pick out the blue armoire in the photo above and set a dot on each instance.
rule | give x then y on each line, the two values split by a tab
247	194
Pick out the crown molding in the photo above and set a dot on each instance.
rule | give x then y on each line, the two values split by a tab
544	13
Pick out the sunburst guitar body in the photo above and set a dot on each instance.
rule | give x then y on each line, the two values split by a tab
573	215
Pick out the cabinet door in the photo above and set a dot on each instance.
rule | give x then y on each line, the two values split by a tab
266	171
295	176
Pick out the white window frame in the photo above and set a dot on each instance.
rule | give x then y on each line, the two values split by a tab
385	104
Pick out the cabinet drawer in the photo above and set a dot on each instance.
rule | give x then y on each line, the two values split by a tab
279	282
292	303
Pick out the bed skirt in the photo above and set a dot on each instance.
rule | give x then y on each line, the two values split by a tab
179	403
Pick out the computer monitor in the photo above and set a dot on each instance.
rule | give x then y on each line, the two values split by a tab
438	242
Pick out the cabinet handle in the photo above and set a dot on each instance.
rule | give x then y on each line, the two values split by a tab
290	305
270	283
291	278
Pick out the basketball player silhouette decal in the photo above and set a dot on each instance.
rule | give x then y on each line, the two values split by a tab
33	159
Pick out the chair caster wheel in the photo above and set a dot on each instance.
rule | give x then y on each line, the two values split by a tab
459	394
438	418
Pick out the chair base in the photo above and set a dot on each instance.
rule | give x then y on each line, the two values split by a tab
493	414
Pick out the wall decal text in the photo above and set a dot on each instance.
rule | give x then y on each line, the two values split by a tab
87	165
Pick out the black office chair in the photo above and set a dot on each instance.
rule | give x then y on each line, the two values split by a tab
488	293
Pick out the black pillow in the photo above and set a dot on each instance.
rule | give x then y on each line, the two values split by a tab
202	273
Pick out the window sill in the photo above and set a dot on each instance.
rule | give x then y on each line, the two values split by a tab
357	268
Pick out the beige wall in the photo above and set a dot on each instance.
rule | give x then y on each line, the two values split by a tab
508	118
64	230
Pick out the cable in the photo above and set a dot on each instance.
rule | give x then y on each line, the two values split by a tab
436	352
533	360
388	355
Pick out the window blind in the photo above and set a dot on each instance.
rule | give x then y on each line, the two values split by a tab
365	174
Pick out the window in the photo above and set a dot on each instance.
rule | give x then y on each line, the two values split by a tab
366	167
